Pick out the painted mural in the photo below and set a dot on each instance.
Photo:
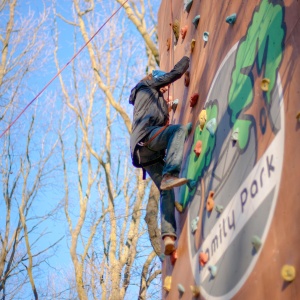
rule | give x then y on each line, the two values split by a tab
236	176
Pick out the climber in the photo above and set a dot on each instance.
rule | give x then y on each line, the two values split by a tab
156	146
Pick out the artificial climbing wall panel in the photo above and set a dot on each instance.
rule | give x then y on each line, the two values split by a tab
238	234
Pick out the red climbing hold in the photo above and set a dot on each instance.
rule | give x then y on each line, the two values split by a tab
194	99
183	31
173	257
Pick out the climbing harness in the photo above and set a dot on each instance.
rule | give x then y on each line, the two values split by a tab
60	71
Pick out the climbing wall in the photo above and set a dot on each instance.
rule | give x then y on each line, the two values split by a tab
238	218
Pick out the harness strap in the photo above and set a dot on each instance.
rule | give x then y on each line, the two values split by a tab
153	137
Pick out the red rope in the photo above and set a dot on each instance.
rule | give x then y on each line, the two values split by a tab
74	56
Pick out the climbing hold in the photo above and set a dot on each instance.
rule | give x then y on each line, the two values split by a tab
211	126
196	21
179	207
235	134
288	273
203	258
183	31
188	5
205	36
194	224
191	184
213	271
173	257
168	44
194	99
265	84
175	104
187	78
198	148
231	19
167	283
210	201
219	208
298	116
202	119
193	42
181	288
175	27
256	242
195	290
162	257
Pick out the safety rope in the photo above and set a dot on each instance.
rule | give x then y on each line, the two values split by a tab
59	72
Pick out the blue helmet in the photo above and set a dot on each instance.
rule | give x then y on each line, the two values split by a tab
157	73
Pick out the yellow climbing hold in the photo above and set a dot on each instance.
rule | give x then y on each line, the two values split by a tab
193	42
298	116
179	207
195	290
167	283
288	273
265	84
202	119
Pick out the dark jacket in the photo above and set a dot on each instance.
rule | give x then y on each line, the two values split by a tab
150	108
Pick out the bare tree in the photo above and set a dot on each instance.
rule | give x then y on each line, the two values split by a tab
26	152
107	201
137	12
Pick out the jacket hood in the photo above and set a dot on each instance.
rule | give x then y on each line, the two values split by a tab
133	93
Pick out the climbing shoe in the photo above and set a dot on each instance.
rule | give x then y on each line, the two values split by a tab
169	181
169	245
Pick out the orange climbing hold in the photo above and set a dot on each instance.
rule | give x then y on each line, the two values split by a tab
168	44
173	257
203	258
187	78
210	201
198	148
194	99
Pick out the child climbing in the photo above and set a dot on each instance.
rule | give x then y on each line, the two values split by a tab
156	146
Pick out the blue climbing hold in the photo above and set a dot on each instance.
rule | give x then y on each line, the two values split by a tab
231	19
191	184
196	21
175	104
194	224
188	5
211	126
219	208
205	36
213	271
235	134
